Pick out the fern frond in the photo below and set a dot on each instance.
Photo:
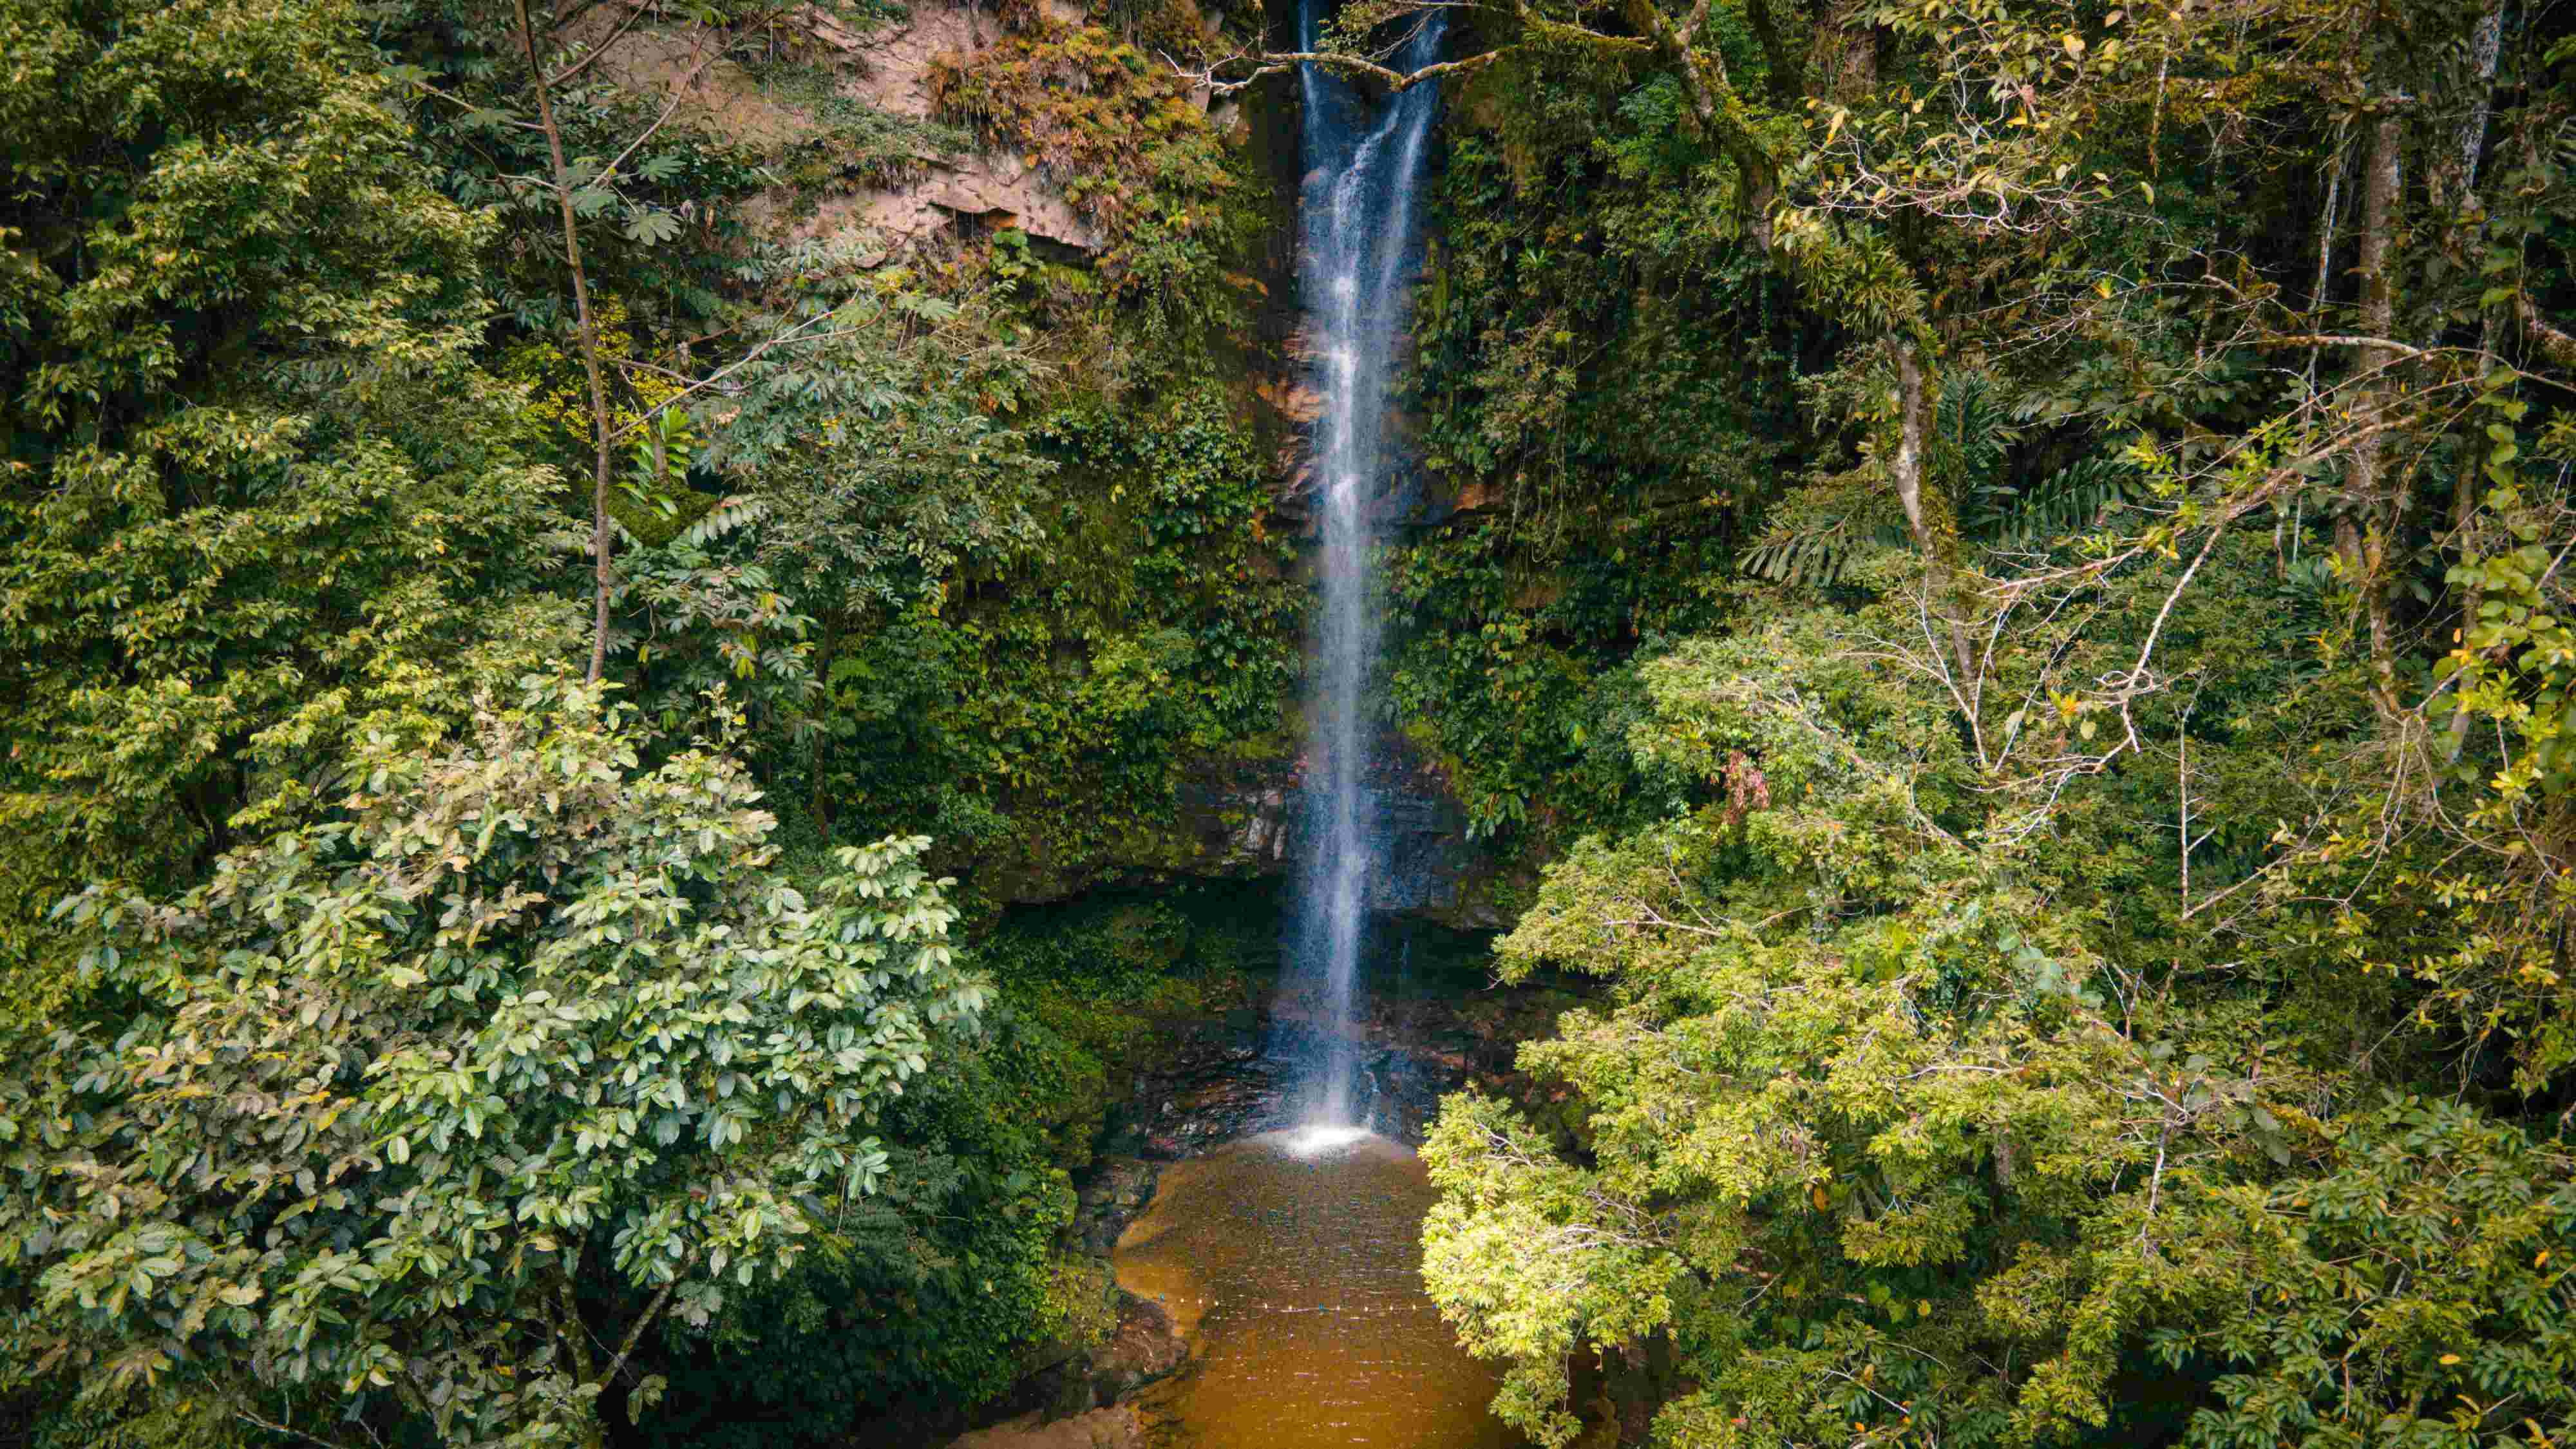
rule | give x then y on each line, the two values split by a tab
1971	434
729	516
1811	560
2074	499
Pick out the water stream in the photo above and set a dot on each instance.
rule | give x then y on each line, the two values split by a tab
1358	225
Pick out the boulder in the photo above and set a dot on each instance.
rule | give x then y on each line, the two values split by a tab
1145	1346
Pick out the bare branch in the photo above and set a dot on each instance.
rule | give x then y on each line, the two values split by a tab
586	62
797	333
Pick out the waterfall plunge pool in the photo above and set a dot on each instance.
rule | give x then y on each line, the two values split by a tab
1290	1263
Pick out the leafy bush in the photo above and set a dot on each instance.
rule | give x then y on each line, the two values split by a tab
951	1281
430	1107
935	1291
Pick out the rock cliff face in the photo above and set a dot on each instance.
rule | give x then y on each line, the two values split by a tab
885	69
1243	820
1413	496
1237	817
1246	819
890	70
1429	867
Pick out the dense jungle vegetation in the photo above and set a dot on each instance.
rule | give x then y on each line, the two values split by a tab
1993	569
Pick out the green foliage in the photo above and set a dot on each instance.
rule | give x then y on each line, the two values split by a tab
2050	686
1614	393
1581	353
1088	987
1049	709
657	224
2002	1021
950	1281
256	489
937	1289
2075	501
865	462
2413	1293
1897	1119
514	1018
1507	670
402	1076
1118	132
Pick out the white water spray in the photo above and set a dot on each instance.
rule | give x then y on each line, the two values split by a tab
1357	245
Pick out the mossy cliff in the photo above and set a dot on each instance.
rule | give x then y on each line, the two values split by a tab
1120	700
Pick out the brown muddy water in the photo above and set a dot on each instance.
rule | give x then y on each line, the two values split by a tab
1292	1266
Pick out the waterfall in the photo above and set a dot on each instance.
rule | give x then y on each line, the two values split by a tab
1356	241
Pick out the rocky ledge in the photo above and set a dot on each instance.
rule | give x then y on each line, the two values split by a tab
1245	819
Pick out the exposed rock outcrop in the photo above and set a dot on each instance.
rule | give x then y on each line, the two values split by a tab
1145	1347
1247	819
885	68
998	189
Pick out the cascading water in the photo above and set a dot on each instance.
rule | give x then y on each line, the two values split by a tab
1357	243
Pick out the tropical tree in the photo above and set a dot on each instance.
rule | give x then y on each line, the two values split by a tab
253	486
1913	1117
431	1106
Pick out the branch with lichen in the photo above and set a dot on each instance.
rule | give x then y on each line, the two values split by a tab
1234	72
1268	63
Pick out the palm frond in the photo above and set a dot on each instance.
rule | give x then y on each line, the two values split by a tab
2074	499
1813	559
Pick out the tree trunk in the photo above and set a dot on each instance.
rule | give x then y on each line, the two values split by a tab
1935	539
1719	110
2361	534
600	427
1787	80
2486	44
1842	60
2455	177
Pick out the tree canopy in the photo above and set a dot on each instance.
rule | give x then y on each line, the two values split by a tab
1991	574
396	1082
